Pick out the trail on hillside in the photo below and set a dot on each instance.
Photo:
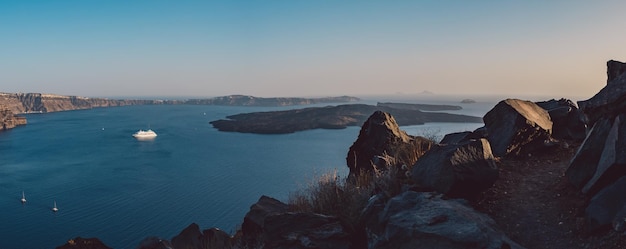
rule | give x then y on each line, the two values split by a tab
535	205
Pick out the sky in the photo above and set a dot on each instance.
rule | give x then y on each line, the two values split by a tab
99	48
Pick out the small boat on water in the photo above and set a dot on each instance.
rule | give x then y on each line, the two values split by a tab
23	200
55	209
141	134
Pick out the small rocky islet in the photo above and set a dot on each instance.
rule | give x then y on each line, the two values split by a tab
457	192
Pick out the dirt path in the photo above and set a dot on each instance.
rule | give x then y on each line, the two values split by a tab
536	206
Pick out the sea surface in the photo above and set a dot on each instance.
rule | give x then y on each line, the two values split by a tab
109	185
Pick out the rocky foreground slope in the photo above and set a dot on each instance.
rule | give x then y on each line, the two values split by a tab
537	175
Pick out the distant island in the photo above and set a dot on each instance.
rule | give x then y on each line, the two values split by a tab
330	117
468	101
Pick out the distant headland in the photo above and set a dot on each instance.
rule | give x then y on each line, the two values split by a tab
43	103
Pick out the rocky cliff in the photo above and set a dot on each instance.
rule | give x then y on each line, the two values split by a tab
43	103
9	120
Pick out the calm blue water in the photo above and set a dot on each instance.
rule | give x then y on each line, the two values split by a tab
111	186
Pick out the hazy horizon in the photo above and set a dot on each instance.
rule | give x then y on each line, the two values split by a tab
309	48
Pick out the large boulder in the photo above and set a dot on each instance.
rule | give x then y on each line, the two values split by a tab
609	102
568	122
254	221
304	230
380	136
457	170
614	69
192	238
517	127
82	243
585	162
425	220
608	207
612	162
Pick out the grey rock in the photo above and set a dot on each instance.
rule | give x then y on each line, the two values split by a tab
585	162
254	221
517	127
568	122
458	170
192	238
425	220
455	138
614	69
380	135
607	207
612	162
608	102
304	230
154	243
82	243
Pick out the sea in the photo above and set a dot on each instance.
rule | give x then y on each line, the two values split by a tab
109	185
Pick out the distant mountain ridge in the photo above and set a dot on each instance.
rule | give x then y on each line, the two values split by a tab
245	100
43	103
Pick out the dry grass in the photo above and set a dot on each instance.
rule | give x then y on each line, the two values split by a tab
334	195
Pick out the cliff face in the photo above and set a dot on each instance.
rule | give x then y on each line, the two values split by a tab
9	120
42	103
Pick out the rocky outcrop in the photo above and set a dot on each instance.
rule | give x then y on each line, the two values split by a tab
457	170
381	137
608	207
612	162
8	120
610	101
154	243
517	127
192	238
614	69
599	167
330	117
43	103
244	100
568	122
254	221
585	162
425	220
304	230
81	243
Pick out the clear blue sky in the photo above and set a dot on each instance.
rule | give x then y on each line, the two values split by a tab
308	48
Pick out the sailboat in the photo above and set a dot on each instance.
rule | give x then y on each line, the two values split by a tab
55	209
23	198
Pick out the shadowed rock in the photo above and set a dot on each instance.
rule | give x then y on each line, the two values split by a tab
614	69
517	127
424	220
304	230
607	207
612	162
154	243
381	136
568	122
609	102
254	221
457	170
191	238
455	138
81	243
585	162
